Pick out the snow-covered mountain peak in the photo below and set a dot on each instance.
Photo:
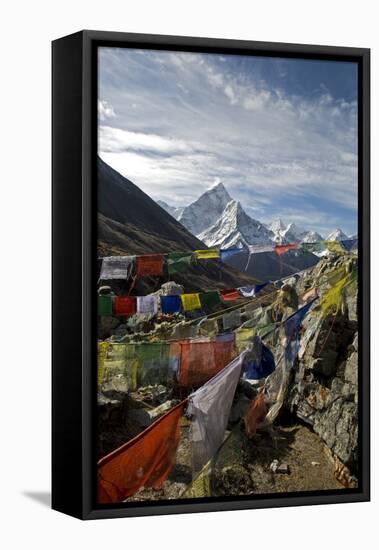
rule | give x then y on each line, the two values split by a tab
206	210
235	228
295	230
337	235
277	225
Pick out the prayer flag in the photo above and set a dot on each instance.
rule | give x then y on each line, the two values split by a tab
209	409
259	248
255	414
259	361
144	461
151	265
349	244
334	247
208	327
184	330
116	267
210	254
120	368
124	305
147	304
283	248
102	348
226	337
292	324
229	253
201	486
200	360
104	305
230	294
190	301
231	319
154	362
243	337
170	304
210	299
178	262
251	291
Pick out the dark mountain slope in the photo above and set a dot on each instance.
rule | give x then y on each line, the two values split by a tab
122	201
267	266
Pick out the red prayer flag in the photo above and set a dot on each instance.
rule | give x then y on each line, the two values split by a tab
282	248
200	361
255	414
144	461
230	294
124	305
151	264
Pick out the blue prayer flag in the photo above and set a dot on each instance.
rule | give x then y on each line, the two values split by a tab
170	304
260	362
229	252
292	325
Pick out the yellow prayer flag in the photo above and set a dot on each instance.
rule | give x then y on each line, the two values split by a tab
102	348
190	301
201	485
334	246
243	337
210	254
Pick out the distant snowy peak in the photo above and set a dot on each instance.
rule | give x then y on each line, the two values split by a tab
311	237
277	225
337	235
292	233
234	228
220	221
173	210
206	210
283	233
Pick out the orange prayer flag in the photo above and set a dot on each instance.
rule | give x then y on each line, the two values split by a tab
151	264
200	361
144	461
230	294
255	414
283	248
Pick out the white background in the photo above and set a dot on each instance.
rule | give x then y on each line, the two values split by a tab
26	31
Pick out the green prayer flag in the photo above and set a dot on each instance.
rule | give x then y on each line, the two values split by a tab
210	299
104	305
153	359
178	262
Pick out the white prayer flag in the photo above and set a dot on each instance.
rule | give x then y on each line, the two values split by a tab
258	248
209	407
231	319
116	267
147	304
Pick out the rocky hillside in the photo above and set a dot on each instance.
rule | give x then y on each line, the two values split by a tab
324	391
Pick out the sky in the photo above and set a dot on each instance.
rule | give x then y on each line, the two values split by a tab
281	134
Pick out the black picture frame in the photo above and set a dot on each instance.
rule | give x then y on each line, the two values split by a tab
74	147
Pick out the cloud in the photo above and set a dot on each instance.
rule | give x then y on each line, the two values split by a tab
115	140
105	110
185	119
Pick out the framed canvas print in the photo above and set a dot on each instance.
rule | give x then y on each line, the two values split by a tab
210	274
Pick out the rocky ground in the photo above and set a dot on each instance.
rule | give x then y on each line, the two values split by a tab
312	445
